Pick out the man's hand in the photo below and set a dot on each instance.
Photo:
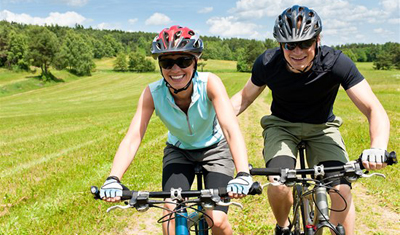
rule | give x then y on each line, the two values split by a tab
374	158
240	186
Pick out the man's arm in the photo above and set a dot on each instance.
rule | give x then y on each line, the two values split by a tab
244	98
379	125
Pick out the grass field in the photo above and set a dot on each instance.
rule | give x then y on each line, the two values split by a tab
58	139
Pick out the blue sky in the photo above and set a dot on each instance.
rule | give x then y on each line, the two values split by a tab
344	21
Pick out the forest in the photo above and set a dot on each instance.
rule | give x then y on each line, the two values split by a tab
75	49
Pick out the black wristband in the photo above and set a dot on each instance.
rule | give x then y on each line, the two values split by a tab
242	173
113	177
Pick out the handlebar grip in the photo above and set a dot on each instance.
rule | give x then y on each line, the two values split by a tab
255	189
126	194
391	159
96	192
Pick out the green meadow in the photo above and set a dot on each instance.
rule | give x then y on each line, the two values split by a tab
59	138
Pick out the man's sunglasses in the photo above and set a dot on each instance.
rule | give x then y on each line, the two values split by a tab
303	44
182	62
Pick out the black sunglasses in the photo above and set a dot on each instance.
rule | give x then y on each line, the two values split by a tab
303	44
182	62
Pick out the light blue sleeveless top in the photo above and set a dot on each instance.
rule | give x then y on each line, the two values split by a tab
200	127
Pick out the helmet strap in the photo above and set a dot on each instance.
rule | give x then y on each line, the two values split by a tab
176	91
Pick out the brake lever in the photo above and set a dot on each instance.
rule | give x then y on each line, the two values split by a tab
373	174
220	203
118	207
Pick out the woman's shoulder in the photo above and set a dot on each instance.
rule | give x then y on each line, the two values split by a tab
156	85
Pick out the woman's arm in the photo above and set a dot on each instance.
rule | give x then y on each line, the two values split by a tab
130	144
228	122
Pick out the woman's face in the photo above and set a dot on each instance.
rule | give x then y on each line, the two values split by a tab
177	69
299	58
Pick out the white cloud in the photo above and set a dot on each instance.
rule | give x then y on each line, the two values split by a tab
390	5
108	26
382	31
69	18
205	10
76	3
158	19
394	21
230	27
133	21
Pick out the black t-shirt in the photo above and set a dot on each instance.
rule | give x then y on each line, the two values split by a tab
306	97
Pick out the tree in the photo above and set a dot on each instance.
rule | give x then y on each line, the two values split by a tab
5	30
269	43
139	63
247	56
111	46
43	47
350	54
388	57
17	50
120	63
76	53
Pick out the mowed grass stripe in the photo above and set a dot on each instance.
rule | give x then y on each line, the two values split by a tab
70	176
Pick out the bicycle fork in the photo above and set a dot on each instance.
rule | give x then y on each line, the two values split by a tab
322	213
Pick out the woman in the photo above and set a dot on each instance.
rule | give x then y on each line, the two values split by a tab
202	127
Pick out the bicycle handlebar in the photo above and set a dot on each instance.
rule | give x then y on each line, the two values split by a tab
207	197
351	170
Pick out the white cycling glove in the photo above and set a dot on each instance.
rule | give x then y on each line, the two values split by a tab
374	155
111	188
241	184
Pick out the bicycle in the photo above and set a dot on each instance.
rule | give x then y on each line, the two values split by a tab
185	221
310	204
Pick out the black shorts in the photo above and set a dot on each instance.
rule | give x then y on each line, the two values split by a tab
217	167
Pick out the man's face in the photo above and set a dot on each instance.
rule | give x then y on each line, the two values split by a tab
298	55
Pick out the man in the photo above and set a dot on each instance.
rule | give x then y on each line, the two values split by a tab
304	78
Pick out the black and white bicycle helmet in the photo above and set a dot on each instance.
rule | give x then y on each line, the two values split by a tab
297	23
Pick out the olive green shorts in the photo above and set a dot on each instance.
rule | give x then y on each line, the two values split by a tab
323	141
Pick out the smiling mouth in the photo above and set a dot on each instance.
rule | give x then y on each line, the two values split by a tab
177	78
299	59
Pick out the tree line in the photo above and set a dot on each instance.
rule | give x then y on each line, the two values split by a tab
75	48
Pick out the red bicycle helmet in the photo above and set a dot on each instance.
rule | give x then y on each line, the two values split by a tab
176	39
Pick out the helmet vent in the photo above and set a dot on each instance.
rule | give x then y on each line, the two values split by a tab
183	44
166	36
196	44
158	45
311	14
301	9
191	33
306	29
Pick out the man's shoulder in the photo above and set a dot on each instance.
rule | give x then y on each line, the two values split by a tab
326	59
270	55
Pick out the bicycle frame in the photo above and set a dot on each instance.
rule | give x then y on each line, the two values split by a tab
314	220
182	224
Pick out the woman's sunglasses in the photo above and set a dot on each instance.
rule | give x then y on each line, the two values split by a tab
303	44
182	62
